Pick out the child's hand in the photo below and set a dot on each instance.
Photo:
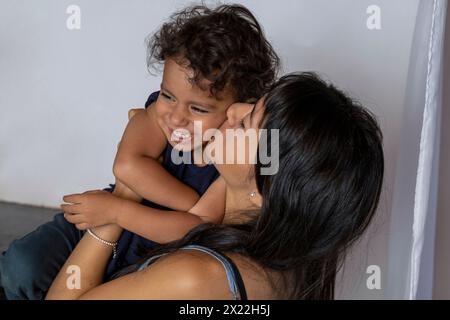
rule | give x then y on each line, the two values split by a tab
133	112
91	209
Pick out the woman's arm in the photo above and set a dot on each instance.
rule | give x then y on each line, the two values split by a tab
183	275
136	164
90	258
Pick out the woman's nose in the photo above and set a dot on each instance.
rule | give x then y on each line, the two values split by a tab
237	111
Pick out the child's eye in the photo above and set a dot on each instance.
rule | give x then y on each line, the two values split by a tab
198	110
165	95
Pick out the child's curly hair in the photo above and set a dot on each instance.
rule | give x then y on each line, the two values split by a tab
225	45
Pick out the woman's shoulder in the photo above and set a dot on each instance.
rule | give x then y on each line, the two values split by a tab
184	275
203	276
189	274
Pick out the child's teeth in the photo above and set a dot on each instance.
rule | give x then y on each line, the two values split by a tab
181	134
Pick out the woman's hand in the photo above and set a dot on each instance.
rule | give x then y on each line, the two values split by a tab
92	208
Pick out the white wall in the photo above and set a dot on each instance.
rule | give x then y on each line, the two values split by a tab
64	94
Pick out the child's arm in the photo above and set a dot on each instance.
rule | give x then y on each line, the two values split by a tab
136	164
97	208
164	226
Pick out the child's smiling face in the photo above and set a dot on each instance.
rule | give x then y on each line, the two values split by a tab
180	103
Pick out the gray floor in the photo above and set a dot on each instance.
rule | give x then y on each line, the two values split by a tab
17	220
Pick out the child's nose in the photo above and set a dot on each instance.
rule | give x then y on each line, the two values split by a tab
178	118
237	111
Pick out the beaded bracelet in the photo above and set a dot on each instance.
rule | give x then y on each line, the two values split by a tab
111	244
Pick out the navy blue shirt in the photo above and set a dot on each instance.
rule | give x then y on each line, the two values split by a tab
199	178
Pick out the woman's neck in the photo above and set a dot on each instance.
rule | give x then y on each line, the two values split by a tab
237	201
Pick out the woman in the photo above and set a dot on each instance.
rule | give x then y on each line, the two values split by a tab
284	235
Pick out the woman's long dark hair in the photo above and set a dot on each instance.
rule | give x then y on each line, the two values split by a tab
322	198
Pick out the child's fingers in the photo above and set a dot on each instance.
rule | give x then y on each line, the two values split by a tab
72	198
93	191
75	218
70	208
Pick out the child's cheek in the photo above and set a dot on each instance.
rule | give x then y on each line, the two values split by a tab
160	109
206	125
